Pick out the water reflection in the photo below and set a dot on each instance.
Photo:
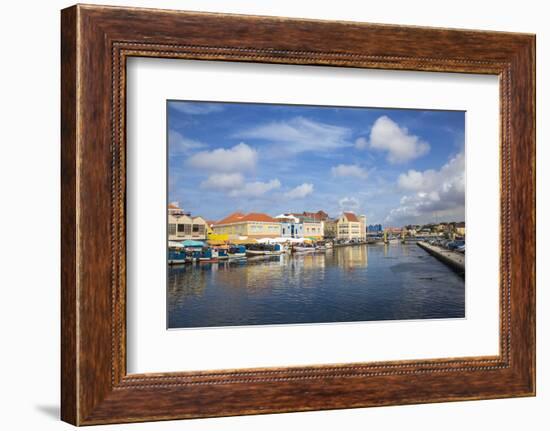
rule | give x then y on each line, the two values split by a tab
358	283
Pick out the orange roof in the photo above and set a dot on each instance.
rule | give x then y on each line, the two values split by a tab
173	206
258	217
238	217
351	217
231	218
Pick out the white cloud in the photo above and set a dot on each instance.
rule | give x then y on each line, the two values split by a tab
435	193
415	180
300	191
241	157
349	171
348	203
256	188
361	143
196	108
223	181
387	135
300	135
178	144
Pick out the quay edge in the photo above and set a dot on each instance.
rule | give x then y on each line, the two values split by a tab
453	259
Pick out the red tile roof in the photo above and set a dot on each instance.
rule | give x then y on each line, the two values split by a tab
238	217
231	218
259	217
319	215
173	206
351	217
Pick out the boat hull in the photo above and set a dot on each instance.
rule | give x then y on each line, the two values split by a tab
177	261
237	256
263	253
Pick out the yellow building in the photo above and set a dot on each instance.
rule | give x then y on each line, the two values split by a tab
349	227
313	229
252	225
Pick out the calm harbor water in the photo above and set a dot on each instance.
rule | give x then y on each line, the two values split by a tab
346	284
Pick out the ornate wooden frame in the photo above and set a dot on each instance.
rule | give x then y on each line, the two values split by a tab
95	42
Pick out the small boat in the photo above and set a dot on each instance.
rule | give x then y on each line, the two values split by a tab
264	250
237	252
176	257
222	252
323	245
192	255
304	249
208	255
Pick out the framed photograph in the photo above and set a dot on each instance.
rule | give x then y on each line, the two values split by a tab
265	215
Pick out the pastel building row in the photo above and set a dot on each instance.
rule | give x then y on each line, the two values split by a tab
316	226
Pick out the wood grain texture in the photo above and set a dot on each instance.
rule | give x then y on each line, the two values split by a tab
96	41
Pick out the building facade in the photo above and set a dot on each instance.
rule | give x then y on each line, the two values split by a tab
291	227
460	228
313	226
351	227
317	216
330	228
375	228
252	225
183	227
313	229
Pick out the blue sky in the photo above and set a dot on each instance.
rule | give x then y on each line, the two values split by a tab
396	166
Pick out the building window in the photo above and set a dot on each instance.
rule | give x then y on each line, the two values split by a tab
171	229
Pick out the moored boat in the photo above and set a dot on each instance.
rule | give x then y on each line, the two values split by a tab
236	252
193	255
222	254
264	250
208	255
176	257
300	249
323	245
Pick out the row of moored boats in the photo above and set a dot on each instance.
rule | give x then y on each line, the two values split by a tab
208	254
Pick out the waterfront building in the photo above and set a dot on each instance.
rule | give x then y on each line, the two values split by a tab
291	227
330	228
351	227
394	230
363	227
174	209
460	228
182	227
375	228
318	216
442	227
252	225
312	228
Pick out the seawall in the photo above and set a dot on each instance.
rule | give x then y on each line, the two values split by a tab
456	261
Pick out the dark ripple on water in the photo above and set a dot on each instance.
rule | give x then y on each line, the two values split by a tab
348	284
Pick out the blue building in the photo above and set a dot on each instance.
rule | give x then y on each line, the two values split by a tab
291	227
375	228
